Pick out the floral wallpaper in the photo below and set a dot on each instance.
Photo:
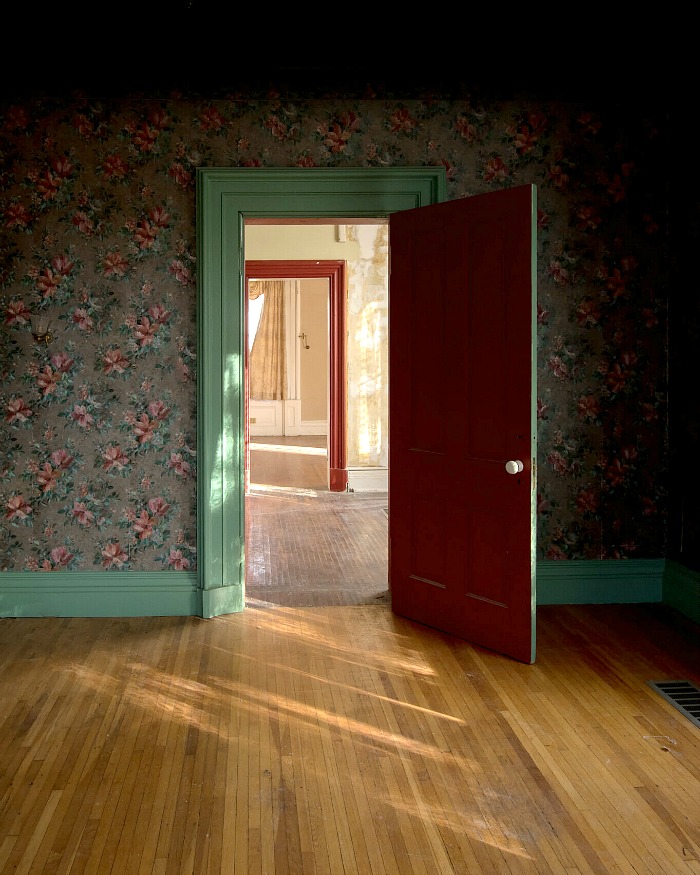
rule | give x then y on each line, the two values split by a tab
97	209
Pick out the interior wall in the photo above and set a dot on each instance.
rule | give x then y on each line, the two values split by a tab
99	428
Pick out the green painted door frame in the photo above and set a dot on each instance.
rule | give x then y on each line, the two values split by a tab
226	197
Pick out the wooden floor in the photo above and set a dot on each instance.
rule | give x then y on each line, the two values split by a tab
306	546
345	740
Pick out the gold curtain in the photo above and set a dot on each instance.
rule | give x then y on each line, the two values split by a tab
268	361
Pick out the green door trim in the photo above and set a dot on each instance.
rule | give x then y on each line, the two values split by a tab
225	198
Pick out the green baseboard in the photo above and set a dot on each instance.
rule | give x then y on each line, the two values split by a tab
105	594
682	590
177	593
599	581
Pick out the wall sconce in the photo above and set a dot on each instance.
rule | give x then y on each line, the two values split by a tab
41	325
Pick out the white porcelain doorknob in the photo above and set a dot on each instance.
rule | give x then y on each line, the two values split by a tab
515	466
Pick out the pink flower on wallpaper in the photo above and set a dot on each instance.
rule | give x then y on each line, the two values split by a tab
84	126
558	367
495	170
47	283
61	557
113	554
588	312
616	379
144	429
587	501
47	478
48	185
335	138
651	320
159	507
115	167
82	514
616	283
558	272
114	457
557	462
62	362
17	313
278	128
588	408
524	140
211	120
616	472
542	409
83	223
159	314
145	234
47	379
63	166
305	160
82	319
115	362
17	508
159	217
177	560
82	416
465	129
114	264
158	410
144	137
62	265
180	174
180	271
61	459
649	412
17	216
179	465
616	188
145	331
587	219
17	411
558	177
143	525
401	121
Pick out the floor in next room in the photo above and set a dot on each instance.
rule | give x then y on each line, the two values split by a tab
307	546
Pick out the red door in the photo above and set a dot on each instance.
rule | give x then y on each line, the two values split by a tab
461	375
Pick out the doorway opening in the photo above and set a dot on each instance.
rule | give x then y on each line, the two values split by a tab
307	533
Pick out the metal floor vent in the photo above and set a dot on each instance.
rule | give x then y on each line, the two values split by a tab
683	695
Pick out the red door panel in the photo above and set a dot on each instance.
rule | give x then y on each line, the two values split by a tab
461	340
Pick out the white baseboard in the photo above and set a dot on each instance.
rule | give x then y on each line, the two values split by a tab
314	426
368	479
